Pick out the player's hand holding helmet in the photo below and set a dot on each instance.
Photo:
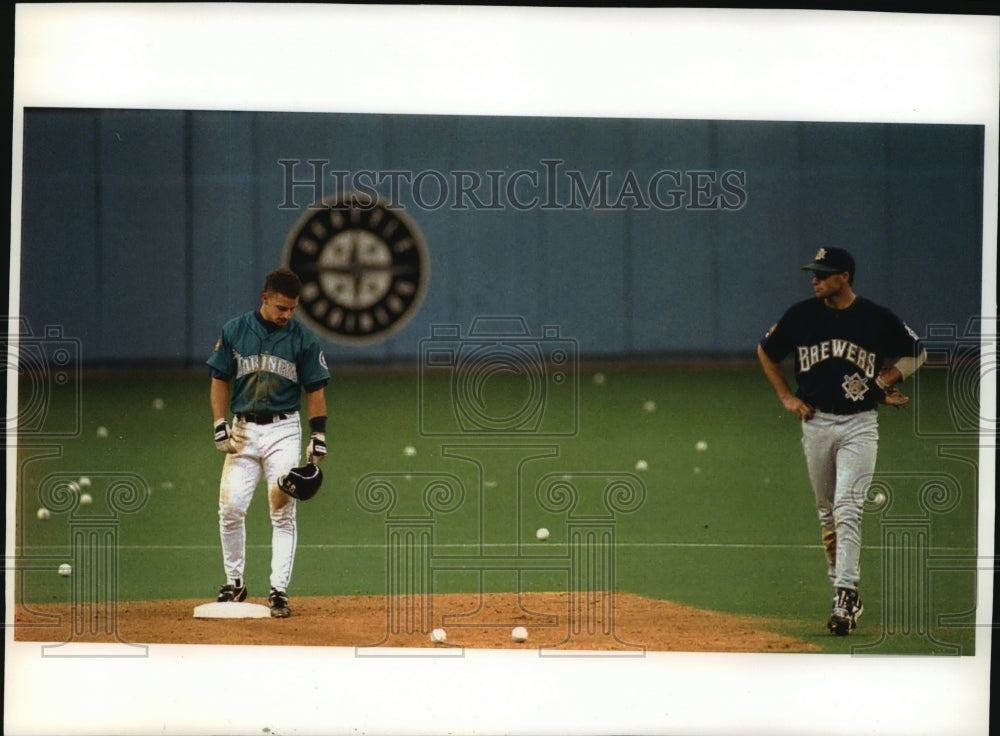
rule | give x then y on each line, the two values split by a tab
225	441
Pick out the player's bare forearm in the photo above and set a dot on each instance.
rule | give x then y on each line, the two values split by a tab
776	377
219	398
316	404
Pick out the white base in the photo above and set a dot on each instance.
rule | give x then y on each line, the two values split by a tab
231	609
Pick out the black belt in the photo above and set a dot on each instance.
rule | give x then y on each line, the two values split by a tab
265	418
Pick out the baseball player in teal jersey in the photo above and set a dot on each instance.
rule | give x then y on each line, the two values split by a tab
268	359
849	355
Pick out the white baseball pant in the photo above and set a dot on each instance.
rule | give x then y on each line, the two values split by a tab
269	450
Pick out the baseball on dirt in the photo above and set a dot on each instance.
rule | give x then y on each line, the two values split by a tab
519	634
43	514
439	636
65	570
542	534
701	445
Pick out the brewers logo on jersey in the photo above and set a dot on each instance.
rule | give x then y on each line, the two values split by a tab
363	266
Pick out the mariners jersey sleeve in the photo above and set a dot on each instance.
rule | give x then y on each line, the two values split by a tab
312	367
221	358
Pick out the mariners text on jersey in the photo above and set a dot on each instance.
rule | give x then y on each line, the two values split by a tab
248	364
810	355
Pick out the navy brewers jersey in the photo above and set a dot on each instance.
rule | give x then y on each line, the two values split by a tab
839	353
268	365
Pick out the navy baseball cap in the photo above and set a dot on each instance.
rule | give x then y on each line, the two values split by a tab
831	260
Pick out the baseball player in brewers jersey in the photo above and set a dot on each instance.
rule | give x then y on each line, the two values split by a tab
849	355
268	359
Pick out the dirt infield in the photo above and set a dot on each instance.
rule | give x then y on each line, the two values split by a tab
591	622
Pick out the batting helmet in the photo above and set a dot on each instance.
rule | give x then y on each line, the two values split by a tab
303	482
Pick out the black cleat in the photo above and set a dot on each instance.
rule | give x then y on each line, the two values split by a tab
846	609
232	593
278	603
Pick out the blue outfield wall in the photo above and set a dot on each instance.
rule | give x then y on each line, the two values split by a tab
143	230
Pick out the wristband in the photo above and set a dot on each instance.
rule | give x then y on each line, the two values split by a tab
317	424
880	382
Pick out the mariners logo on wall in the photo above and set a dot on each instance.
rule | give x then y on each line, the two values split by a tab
363	266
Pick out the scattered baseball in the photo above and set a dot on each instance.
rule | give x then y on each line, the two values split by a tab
65	570
701	445
86	499
409	450
157	403
73	487
519	634
438	636
649	406
542	534
641	465
102	432
879	498
43	514
84	482
599	378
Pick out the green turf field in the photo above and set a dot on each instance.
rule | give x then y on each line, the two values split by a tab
731	528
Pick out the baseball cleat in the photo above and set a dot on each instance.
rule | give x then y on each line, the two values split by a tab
232	593
856	611
278	603
846	609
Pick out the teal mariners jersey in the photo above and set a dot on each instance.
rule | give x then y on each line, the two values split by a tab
268	365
